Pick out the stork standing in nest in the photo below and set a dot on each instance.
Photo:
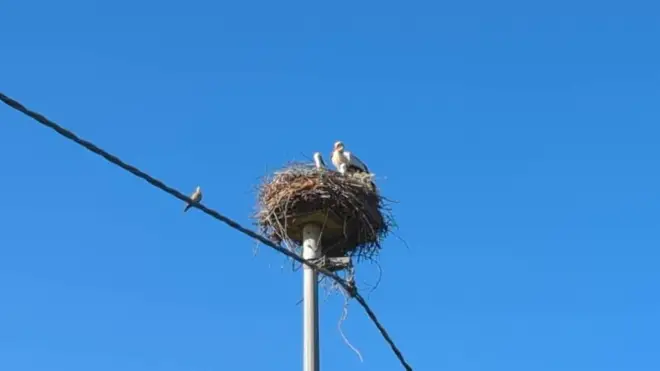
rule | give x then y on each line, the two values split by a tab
346	161
318	161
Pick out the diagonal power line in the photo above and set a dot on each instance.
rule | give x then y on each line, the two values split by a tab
352	290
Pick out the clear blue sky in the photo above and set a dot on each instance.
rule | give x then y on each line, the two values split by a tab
521	139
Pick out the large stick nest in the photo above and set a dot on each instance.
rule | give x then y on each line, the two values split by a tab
354	218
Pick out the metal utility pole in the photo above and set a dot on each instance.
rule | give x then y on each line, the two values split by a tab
311	250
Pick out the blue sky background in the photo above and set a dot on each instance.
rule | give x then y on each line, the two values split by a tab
521	139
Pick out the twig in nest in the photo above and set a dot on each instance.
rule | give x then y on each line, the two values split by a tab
329	288
341	332
375	286
255	249
401	239
305	156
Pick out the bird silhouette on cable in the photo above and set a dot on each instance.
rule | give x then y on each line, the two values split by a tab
196	197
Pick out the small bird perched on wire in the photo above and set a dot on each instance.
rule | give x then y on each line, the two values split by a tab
318	161
346	161
196	197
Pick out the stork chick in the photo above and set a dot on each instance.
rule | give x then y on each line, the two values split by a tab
318	161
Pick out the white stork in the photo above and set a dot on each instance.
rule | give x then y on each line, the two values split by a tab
196	197
318	160
345	161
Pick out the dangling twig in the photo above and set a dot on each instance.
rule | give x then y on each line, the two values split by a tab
341	332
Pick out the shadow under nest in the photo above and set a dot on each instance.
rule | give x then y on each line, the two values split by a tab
354	218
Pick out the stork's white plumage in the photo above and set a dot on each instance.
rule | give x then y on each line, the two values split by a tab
196	197
346	161
318	160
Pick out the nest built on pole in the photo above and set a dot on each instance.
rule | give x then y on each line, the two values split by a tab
353	216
